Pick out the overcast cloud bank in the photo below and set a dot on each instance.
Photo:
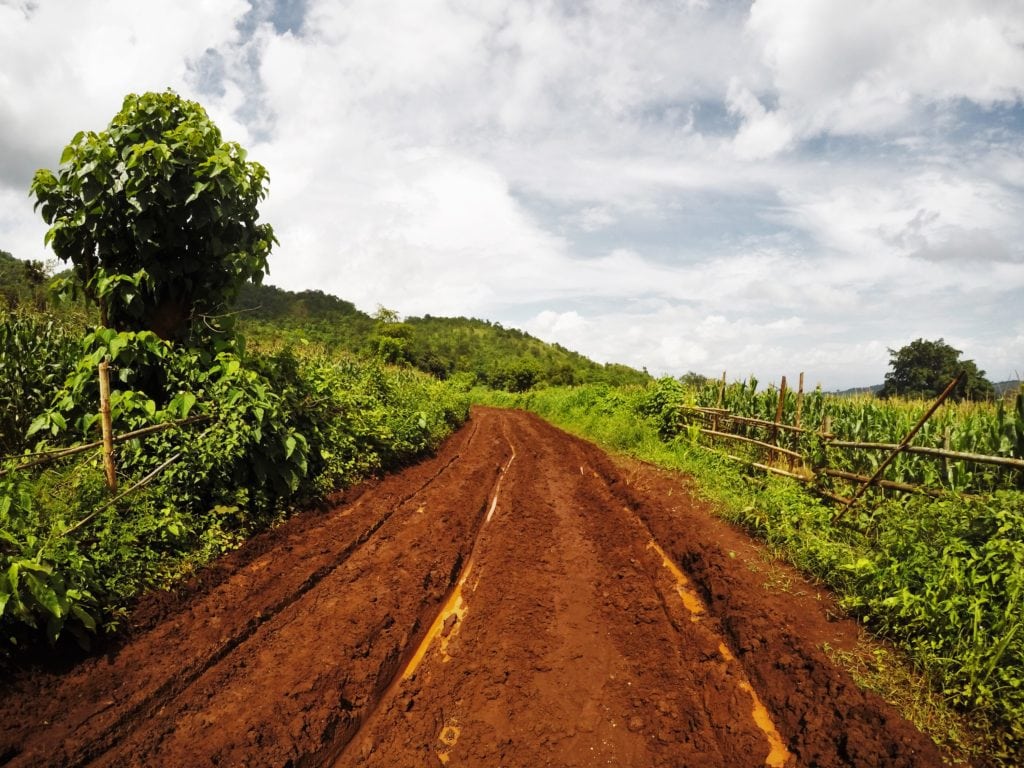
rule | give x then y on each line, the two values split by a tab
760	188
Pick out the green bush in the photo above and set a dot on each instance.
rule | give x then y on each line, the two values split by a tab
36	355
279	429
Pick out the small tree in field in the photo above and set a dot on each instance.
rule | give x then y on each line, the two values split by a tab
923	369
157	214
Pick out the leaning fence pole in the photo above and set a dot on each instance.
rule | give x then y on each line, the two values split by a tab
904	442
108	430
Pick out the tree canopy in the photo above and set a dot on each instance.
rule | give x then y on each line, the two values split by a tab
22	283
923	369
157	214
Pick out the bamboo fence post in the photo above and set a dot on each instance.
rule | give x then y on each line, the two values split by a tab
800	399
718	404
946	442
778	411
904	442
108	431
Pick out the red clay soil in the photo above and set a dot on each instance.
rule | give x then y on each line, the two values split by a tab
520	599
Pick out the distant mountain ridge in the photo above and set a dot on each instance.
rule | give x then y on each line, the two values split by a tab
1001	388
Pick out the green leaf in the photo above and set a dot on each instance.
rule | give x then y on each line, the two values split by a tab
39	422
187	401
117	343
198	188
43	594
86	618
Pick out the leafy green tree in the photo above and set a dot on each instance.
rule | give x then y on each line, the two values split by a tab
923	369
390	339
22	283
157	214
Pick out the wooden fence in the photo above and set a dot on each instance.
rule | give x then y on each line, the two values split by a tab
106	445
719	426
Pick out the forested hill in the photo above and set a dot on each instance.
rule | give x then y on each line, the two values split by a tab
478	350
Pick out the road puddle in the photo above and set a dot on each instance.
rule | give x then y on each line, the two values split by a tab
448	738
778	755
446	625
691	600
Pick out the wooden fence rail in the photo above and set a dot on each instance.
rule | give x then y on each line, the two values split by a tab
62	453
942	453
716	422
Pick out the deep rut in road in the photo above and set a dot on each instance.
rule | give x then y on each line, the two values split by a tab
520	599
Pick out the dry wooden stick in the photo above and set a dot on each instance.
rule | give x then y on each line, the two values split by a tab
143	482
769	446
61	453
980	458
903	443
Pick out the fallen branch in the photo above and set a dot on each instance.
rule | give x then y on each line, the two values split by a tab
141	484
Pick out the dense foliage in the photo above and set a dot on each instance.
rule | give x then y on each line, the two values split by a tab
36	355
923	369
22	283
472	352
942	578
157	214
280	429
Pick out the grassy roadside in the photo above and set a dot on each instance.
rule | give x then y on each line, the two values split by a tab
276	430
943	580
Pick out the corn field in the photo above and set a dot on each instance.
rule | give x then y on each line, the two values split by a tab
990	429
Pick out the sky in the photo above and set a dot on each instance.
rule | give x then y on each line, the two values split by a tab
762	187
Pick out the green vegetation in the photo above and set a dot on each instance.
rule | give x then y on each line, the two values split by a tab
158	218
37	353
468	351
922	369
157	214
282	429
22	283
942	578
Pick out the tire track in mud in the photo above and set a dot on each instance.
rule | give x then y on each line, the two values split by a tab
281	694
452	613
173	686
577	689
517	600
132	689
776	637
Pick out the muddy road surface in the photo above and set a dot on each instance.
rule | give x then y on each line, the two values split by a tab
520	599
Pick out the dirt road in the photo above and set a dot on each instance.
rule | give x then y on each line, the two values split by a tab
518	600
